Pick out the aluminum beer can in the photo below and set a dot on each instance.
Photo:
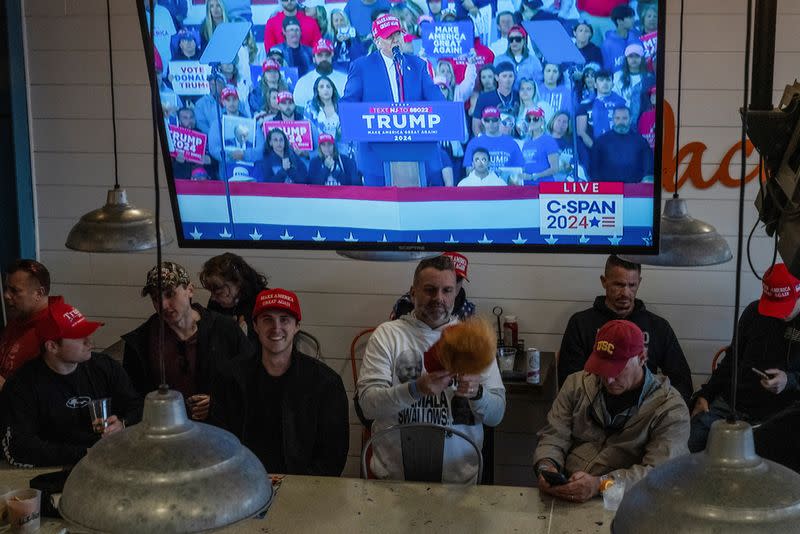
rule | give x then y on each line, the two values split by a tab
534	365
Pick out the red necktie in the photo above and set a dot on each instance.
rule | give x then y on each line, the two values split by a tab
400	90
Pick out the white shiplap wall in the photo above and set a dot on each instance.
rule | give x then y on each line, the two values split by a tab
71	137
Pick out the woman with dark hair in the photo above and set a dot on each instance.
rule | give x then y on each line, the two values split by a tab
233	285
633	81
484	84
271	78
330	167
322	111
526	64
554	91
280	163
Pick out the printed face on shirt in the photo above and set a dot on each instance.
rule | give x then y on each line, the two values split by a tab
622	121
407	366
176	304
292	35
621	286
434	295
23	295
276	330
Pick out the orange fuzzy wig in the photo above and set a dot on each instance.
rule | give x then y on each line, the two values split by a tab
467	348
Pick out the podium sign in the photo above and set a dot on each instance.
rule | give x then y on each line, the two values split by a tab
402	122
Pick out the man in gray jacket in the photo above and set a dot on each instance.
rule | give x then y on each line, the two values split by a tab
613	420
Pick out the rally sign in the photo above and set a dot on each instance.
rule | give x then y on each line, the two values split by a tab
189	77
298	132
447	39
404	121
187	142
581	208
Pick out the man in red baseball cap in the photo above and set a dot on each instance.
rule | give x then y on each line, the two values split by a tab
47	400
289	408
462	308
613	420
323	61
769	360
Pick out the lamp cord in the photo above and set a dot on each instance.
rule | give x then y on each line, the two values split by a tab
113	100
678	108
154	102
740	230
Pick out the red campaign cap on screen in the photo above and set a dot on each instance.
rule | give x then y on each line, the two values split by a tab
159	63
651	90
64	321
229	92
780	290
323	45
460	263
277	299
490	112
535	112
285	96
385	25
617	342
520	29
270	64
326	138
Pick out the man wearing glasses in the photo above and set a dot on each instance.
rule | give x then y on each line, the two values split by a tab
613	420
197	342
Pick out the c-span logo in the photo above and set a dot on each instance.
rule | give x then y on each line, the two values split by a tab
581	208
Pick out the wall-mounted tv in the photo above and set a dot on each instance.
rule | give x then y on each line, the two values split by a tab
534	125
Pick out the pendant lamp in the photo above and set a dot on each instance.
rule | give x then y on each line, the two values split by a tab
167	474
685	241
118	226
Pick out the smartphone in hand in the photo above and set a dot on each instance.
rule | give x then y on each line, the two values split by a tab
553	478
762	374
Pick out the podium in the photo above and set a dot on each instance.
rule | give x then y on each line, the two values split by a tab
397	138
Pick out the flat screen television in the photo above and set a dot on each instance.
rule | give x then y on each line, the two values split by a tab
574	149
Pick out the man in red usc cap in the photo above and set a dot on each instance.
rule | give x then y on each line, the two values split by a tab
386	76
621	280
769	360
197	341
462	308
26	297
615	419
47	400
396	386
290	409
323	62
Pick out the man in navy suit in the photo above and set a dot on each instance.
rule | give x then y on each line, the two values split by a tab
378	77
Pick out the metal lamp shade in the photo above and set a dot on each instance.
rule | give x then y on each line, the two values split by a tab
686	241
727	489
166	474
116	227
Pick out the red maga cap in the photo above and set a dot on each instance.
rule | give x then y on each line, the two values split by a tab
780	290
326	138
277	299
64	321
285	96
617	342
460	264
385	25
490	112
229	92
535	112
323	45
270	64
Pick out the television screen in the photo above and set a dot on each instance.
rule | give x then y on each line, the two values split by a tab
508	126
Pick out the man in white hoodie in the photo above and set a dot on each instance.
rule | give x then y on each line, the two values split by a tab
391	396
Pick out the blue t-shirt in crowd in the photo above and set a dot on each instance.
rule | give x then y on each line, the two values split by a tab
621	158
559	98
613	49
503	151
360	15
535	152
603	113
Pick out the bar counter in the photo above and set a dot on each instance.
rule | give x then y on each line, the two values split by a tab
304	504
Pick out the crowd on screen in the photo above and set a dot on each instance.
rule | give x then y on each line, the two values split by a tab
539	120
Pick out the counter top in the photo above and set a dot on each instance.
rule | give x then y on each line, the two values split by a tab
304	504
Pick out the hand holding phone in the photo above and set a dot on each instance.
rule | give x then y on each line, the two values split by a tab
760	373
553	478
